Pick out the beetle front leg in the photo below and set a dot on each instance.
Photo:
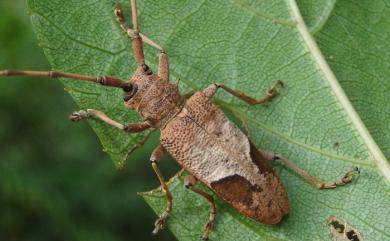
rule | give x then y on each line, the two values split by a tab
156	156
313	180
130	127
271	93
189	183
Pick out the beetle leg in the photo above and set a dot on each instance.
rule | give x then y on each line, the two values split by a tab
130	127
212	89
189	183
157	155
313	180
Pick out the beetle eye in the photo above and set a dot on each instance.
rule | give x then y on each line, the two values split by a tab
127	87
146	69
130	90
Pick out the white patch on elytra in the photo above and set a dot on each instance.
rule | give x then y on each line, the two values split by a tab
214	148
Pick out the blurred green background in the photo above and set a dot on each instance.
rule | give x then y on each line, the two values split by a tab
55	181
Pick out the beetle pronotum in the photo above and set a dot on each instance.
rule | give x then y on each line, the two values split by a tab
197	134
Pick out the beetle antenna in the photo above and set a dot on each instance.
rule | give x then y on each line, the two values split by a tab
103	80
134	15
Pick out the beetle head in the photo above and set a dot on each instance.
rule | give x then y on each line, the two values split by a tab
137	86
154	98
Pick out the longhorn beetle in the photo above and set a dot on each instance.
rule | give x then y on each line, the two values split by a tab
197	134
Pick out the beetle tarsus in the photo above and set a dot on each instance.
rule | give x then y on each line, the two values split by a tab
209	226
340	182
160	222
4	72
271	93
275	88
315	181
78	115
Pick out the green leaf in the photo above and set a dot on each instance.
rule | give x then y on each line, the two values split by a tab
354	39
246	45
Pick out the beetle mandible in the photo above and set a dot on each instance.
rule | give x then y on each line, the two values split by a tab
197	134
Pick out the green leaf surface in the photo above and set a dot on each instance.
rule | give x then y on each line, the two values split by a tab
354	39
246	45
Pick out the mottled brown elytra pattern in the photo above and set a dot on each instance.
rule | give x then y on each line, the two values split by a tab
198	136
207	144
